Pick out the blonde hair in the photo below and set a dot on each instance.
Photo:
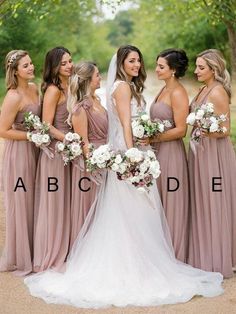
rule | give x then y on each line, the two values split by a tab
11	64
217	63
79	84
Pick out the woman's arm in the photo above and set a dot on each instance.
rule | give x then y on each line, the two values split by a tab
80	126
122	96
180	107
10	108
50	101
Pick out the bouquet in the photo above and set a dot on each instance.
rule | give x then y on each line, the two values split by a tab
204	119
100	158
38	132
137	167
134	166
70	148
143	127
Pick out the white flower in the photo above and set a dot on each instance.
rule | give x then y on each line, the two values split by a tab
210	107
214	127
161	127
122	168
167	123
224	129
134	179
35	138
150	154
118	159
60	146
199	114
138	131
213	119
155	168
223	117
37	124
69	136
115	167
144	117
45	138
191	118
143	167
134	123
76	149
76	136
134	154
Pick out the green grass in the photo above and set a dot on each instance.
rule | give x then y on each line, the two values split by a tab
2	90
233	129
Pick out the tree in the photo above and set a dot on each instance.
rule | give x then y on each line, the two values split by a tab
217	13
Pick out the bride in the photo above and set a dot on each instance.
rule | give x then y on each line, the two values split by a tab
123	254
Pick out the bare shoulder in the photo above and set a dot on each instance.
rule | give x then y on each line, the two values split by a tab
218	94
179	91
179	97
123	89
13	97
33	87
53	90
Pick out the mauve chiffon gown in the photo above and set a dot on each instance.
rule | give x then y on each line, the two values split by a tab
19	169
52	204
81	201
212	244
173	184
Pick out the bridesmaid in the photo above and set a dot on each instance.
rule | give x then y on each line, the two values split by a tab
52	197
212	166
89	120
171	104
19	163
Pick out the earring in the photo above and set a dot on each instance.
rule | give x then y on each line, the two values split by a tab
173	74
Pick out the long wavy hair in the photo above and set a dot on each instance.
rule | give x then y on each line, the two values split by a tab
138	82
11	64
79	85
217	63
51	69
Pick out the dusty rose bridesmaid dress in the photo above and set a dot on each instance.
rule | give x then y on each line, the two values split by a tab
212	244
19	169
81	201
173	182
52	204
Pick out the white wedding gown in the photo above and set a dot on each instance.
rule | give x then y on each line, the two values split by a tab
123	255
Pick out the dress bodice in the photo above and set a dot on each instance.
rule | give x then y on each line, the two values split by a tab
97	122
160	110
116	136
60	118
19	119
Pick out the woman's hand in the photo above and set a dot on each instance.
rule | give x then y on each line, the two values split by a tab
145	141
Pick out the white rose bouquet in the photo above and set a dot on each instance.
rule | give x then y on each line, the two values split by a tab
143	127
100	158
70	148
38	132
137	167
204	118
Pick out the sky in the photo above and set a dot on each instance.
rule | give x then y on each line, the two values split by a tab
107	10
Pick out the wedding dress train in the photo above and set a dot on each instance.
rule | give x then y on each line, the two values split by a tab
123	254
